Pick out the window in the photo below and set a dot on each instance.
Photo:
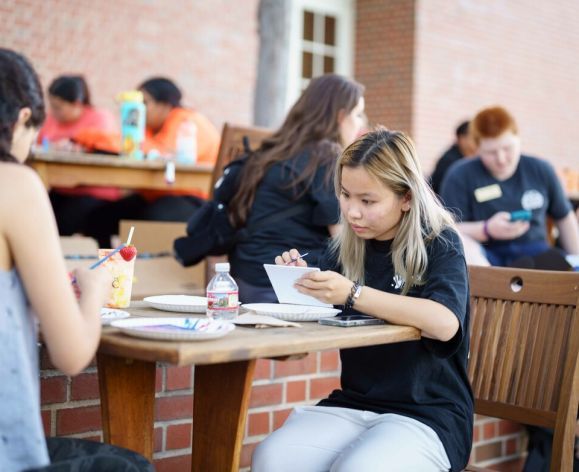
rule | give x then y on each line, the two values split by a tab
321	41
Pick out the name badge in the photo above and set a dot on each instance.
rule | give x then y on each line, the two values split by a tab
490	192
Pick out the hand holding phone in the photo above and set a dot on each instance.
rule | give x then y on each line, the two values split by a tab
521	215
351	320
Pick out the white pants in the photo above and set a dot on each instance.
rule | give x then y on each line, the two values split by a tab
328	439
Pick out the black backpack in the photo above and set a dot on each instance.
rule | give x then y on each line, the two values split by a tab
209	232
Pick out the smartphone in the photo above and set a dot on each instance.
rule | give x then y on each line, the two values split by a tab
521	215
351	320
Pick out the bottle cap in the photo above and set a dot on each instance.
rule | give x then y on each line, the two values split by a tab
222	267
130	96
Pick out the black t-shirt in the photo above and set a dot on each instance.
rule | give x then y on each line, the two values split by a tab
426	379
534	186
306	231
452	155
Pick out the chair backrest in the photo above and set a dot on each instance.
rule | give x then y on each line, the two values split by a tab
232	146
78	251
524	347
160	273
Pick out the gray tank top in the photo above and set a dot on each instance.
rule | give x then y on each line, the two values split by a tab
22	443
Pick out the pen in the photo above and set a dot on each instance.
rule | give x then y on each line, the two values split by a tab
300	256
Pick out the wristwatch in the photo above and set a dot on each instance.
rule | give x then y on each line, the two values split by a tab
354	295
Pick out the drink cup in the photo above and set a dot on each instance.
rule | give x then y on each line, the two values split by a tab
122	273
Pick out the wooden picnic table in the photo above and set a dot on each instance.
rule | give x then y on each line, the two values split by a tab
69	169
222	382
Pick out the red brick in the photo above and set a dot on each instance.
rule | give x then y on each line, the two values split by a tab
174	408
487	451
246	453
329	361
178	378
489	430
159	379
508	427
45	362
258	423
178	436
263	369
158	439
174	464
262	395
320	388
46	421
78	420
53	389
84	387
280	416
295	391
476	434
307	365
511	446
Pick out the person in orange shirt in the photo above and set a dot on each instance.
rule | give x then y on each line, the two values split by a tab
72	113
164	117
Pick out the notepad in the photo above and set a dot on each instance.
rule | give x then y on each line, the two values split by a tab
284	277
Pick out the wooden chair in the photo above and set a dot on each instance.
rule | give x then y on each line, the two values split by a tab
161	274
232	145
524	346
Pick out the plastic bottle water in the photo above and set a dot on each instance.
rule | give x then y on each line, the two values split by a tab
186	145
222	294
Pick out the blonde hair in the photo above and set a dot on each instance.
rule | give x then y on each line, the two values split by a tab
390	157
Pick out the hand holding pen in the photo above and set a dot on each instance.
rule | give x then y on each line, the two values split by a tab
292	257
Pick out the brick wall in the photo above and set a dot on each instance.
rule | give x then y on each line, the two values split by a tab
521	54
71	406
208	47
384	59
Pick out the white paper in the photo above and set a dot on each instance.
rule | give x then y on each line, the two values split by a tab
284	277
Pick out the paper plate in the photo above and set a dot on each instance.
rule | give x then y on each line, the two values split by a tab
111	314
289	312
175	329
178	303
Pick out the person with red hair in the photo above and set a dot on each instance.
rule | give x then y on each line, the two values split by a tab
485	191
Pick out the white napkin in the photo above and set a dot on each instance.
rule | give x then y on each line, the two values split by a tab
262	321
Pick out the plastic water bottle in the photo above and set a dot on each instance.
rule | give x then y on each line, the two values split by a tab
186	145
222	294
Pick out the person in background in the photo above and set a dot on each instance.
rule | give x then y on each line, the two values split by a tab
294	167
404	406
35	291
485	190
72	114
463	146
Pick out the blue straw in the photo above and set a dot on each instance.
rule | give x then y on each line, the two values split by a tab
110	254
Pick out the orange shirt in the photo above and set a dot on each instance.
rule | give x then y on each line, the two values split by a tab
165	141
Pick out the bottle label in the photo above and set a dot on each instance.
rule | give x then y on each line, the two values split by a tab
222	300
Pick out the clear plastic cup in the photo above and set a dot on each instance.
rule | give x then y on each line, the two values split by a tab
122	272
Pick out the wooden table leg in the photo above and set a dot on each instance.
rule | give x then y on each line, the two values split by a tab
127	389
220	402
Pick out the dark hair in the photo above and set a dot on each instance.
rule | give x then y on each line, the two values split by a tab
70	88
462	129
162	90
19	88
311	125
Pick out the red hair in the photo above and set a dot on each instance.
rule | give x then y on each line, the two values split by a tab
492	122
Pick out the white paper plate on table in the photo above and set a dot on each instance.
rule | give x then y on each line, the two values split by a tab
111	314
179	303
175	329
289	312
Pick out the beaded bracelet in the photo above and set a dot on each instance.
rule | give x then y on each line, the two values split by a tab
354	294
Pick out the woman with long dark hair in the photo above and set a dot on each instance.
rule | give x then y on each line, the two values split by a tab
294	167
35	290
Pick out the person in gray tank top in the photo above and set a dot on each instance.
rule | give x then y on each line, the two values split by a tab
35	291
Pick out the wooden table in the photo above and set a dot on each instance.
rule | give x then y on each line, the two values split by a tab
69	169
222	385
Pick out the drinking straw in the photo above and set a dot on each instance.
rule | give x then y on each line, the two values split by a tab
130	236
112	253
